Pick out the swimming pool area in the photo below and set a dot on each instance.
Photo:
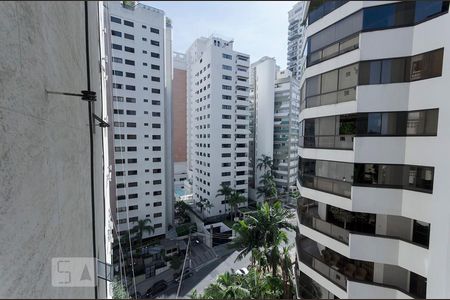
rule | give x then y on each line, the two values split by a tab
179	192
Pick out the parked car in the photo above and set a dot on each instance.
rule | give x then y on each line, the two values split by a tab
242	271
157	288
187	273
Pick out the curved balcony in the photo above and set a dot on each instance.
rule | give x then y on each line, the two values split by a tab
332	186
344	272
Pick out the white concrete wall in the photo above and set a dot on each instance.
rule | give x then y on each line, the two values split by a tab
45	174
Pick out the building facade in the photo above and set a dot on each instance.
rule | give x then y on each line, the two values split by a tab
142	78
274	95
218	124
374	209
296	39
286	132
262	101
54	169
179	142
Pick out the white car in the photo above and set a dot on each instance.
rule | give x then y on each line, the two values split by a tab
242	271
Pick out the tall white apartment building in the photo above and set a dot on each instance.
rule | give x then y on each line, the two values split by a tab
296	39
262	101
373	169
142	78
286	131
274	96
218	122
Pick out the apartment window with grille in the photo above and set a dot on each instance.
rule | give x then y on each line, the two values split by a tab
116	33
130	87
154	43
156	125
116	20
132	184
157	182
129	62
117	60
154	30
117	73
128	23
155	55
156	79
131	112
227	56
156	91
131	100
130	75
117	47
128	36
155	67
129	49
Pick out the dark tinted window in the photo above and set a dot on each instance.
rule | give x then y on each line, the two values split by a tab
428	8
116	33
128	36
128	23
116	20
154	30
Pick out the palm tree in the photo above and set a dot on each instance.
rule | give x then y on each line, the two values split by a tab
265	162
262	229
267	187
226	191
140	228
207	204
286	269
236	198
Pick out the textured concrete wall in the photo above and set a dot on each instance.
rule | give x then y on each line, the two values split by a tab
45	200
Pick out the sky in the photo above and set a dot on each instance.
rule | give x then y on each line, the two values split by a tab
258	28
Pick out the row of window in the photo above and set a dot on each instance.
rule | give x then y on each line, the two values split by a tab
409	177
132	62
131	50
131	24
131	37
119	86
135	196
400	123
133	100
339	85
400	14
135	184
135	172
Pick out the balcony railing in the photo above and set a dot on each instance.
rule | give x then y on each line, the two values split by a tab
333	186
327	141
339	269
318	265
324	227
340	96
336	49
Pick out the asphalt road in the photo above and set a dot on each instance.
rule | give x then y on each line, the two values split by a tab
206	275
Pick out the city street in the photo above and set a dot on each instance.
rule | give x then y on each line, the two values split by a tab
203	277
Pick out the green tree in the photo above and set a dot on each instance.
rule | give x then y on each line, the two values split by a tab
265	162
235	199
119	291
262	229
226	191
267	187
140	228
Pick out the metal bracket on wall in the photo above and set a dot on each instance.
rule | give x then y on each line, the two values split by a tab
102	123
85	95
